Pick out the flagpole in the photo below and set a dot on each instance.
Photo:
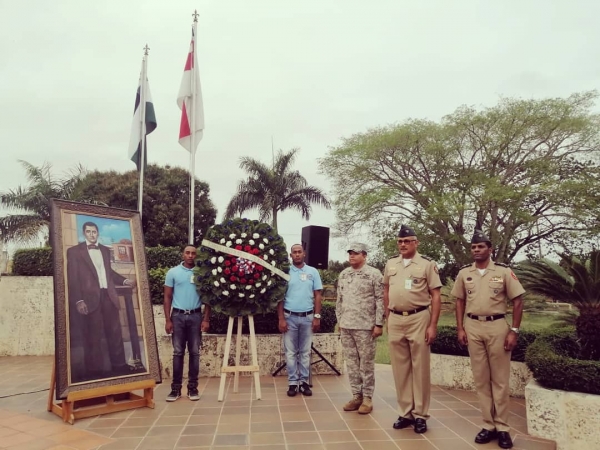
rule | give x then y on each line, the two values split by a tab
193	134
143	128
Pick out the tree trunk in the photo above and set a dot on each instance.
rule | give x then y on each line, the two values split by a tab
274	224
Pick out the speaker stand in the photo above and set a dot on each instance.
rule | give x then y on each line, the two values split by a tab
322	359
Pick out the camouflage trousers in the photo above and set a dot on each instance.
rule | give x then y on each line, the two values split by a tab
358	347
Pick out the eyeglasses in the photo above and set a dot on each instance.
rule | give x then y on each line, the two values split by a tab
406	241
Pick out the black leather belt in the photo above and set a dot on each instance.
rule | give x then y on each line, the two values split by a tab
302	314
187	311
408	313
486	318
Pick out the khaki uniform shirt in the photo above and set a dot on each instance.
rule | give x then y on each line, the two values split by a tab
359	298
410	285
487	294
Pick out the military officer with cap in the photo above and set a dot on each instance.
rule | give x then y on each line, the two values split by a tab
359	312
482	290
411	285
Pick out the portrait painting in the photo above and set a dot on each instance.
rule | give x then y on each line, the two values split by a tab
104	325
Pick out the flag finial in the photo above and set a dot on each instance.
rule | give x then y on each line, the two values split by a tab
146	48
195	15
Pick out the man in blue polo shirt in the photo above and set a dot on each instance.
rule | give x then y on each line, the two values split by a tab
300	315
184	322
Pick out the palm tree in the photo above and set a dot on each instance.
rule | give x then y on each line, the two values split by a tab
575	282
29	205
271	190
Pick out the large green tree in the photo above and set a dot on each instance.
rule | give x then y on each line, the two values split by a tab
28	205
165	207
274	189
526	170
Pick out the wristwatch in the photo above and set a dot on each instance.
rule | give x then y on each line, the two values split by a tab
317	316
514	330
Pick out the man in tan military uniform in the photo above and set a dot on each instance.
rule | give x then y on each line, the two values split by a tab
411	285
482	289
359	312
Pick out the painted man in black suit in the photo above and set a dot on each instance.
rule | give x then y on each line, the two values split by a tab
94	305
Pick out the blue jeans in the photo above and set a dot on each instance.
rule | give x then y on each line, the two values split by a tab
186	331
296	342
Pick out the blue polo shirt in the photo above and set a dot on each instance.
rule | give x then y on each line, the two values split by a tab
185	295
300	295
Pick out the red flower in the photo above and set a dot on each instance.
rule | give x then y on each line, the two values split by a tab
243	281
259	268
255	251
235	268
227	271
238	247
232	278
257	275
241	273
227	263
247	248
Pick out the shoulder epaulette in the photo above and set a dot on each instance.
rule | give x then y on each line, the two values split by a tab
395	256
426	258
465	266
502	264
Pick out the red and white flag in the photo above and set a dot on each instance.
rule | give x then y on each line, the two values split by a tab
189	101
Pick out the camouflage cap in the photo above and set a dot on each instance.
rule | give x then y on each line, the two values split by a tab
357	247
406	231
479	236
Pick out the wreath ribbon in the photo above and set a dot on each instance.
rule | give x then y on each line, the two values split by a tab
245	255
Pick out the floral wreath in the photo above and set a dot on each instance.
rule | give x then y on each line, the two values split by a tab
242	268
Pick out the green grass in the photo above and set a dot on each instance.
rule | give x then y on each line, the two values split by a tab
531	322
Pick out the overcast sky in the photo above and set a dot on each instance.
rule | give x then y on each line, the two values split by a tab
306	73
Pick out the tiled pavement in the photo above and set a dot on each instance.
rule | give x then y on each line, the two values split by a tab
276	422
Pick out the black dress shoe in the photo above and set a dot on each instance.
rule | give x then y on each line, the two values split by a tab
420	426
485	436
504	440
402	422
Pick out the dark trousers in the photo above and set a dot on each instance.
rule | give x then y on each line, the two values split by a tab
103	322
186	332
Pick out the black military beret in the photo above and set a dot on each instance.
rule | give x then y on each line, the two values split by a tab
479	236
406	231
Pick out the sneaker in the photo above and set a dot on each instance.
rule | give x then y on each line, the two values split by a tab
366	407
174	395
193	394
292	390
305	389
354	404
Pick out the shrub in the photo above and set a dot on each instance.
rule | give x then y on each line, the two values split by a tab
163	257
267	323
156	279
552	359
446	343
33	262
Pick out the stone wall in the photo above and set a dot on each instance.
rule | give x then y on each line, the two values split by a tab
569	418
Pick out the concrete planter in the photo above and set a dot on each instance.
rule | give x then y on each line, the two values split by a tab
455	372
569	418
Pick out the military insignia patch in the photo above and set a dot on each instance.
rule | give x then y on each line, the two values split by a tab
436	269
512	274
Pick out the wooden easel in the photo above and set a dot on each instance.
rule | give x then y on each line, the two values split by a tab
103	400
226	368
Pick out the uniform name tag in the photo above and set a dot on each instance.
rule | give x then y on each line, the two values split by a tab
408	284
192	279
303	276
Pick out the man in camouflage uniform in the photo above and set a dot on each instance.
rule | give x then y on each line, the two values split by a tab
359	312
482	290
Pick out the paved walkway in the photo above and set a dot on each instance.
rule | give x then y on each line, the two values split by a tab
276	422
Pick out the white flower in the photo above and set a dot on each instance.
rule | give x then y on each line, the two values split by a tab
251	242
232	287
258	284
222	280
271	252
266	257
263	290
216	283
243	235
264	277
251	296
222	241
214	271
213	260
248	287
228	244
256	235
261	246
232	236
241	294
221	259
238	241
269	283
219	269
225	292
